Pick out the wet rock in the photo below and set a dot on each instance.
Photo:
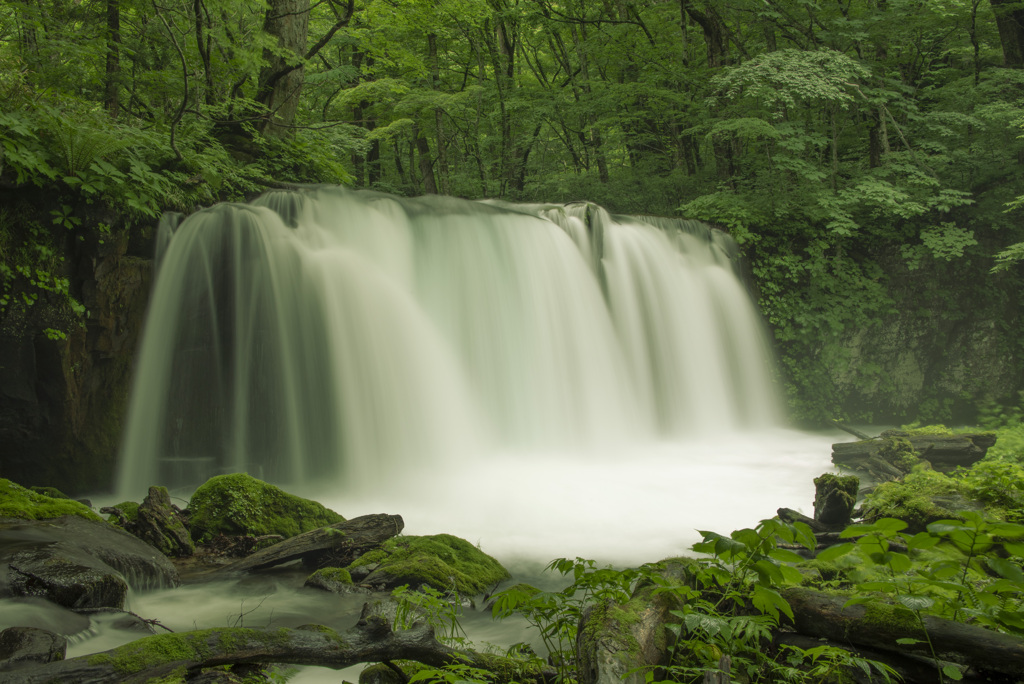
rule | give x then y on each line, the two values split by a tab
78	563
30	646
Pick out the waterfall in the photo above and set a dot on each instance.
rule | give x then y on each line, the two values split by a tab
338	336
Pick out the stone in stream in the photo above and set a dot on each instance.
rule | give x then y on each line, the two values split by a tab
21	646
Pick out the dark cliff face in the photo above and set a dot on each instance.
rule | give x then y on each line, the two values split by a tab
62	400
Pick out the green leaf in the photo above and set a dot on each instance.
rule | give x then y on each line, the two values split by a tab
915	602
922	540
907	641
786	556
1006	569
833	552
953	672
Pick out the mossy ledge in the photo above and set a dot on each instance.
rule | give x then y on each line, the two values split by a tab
18	502
238	504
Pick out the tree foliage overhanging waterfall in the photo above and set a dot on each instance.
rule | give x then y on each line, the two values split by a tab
332	334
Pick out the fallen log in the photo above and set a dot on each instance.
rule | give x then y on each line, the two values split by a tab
944	452
878	626
338	544
371	640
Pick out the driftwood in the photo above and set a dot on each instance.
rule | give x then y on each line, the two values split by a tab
371	640
340	544
944	452
821	615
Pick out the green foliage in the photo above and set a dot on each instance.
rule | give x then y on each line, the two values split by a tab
961	569
238	504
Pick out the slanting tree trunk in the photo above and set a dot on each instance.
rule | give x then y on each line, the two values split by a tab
341	543
371	640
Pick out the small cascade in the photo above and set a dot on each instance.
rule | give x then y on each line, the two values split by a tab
326	335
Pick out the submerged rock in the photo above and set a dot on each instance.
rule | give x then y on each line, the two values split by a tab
238	504
78	563
441	561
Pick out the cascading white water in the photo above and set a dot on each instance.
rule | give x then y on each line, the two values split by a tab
334	336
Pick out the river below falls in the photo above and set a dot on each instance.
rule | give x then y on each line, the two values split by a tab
621	508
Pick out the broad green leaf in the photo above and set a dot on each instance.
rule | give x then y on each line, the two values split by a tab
1007	569
915	602
786	556
953	672
833	552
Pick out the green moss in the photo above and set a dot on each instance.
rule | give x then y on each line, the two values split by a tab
51	492
18	502
130	510
370	558
441	561
911	499
848	484
155	650
339	575
240	504
899	452
917	429
895	619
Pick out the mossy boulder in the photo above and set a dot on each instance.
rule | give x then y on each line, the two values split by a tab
334	580
130	510
441	561
239	504
24	504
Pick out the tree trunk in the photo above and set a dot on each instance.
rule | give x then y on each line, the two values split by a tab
1010	22
371	640
281	79
112	77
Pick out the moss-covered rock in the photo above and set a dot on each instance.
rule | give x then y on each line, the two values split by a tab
239	504
130	510
18	502
442	561
334	580
834	498
51	492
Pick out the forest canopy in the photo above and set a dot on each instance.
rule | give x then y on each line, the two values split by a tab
855	149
